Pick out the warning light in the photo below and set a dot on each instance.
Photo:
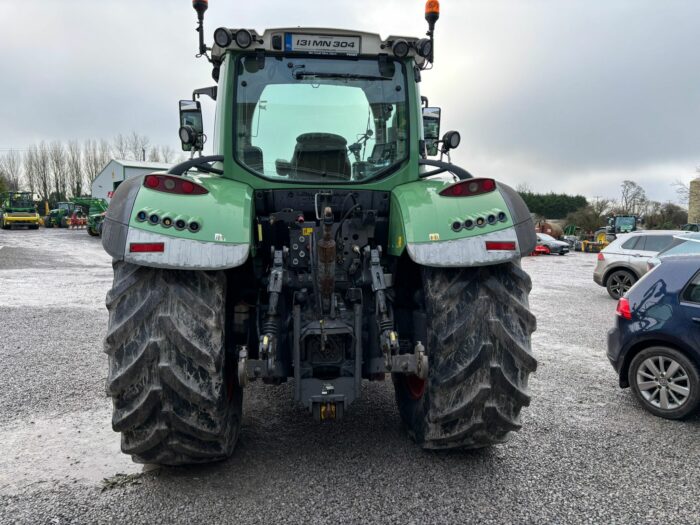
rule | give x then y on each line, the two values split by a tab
432	7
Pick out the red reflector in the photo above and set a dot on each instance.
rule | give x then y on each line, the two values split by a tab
601	257
469	187
147	247
623	309
187	187
494	246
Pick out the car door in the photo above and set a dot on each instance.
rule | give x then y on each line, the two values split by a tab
647	247
690	308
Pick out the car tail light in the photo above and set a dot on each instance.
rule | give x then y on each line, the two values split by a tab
494	246
147	247
601	257
623	309
469	188
170	184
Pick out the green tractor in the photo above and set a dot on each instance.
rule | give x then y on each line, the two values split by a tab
60	216
96	211
319	243
616	224
17	208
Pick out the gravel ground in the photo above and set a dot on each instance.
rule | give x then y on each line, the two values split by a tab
587	452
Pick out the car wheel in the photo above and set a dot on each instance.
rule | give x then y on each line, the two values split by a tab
619	282
666	382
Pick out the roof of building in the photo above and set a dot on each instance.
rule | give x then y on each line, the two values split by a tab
142	164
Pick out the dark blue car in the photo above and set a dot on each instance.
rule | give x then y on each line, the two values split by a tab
655	345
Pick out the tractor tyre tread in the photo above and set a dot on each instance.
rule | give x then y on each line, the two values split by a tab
480	358
167	366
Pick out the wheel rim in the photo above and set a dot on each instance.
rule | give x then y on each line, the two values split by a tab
620	283
415	386
663	382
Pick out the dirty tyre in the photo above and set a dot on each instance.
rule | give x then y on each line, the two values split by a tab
479	327
175	400
91	232
666	382
64	222
619	282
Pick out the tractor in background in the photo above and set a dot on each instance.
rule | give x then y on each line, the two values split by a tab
88	211
96	210
616	224
17	208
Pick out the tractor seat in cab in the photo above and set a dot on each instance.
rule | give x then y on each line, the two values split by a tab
321	153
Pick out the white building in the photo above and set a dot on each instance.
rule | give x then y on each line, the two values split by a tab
117	171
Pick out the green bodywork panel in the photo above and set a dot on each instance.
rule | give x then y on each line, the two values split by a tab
225	213
419	214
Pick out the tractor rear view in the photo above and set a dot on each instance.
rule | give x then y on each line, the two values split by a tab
319	244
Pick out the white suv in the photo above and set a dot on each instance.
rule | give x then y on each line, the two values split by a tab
624	260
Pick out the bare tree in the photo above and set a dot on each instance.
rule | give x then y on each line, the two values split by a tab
167	154
683	191
75	168
601	206
104	154
11	169
59	171
523	187
120	147
138	145
633	198
38	169
154	154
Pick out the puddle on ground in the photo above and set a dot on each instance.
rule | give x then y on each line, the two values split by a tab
77	448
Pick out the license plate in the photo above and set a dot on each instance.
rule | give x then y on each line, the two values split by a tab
326	45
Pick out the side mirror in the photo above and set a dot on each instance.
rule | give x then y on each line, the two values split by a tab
431	129
191	125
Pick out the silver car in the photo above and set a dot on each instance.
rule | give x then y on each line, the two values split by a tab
624	260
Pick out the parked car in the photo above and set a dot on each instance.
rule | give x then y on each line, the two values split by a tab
554	246
624	261
655	345
686	244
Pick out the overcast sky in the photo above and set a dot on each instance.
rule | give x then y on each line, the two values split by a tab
571	96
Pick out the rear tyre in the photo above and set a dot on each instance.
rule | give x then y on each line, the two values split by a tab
64	222
666	382
91	232
619	282
174	388
479	327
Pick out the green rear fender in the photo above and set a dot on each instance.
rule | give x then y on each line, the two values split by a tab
435	231
214	233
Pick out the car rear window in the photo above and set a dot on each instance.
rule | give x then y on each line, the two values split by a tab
692	291
655	243
631	243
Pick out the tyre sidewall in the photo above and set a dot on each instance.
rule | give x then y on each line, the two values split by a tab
693	402
609	282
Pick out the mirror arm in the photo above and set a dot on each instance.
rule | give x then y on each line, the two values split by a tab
461	173
211	92
201	163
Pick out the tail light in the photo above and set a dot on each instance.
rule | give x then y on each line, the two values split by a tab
170	184
601	257
623	309
469	188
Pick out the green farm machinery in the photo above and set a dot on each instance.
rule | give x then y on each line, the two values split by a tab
78	212
321	244
17	208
